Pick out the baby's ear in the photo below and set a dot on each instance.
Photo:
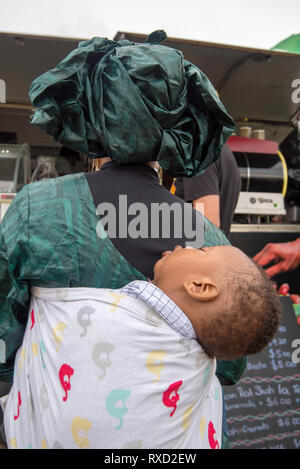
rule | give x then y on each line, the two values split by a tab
202	290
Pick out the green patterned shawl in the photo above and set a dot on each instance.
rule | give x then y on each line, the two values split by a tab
48	238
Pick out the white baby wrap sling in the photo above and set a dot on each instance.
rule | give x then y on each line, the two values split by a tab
111	369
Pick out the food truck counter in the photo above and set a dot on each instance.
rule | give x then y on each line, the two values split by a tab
15	172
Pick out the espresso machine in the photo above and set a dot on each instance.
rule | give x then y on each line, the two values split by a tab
264	177
267	194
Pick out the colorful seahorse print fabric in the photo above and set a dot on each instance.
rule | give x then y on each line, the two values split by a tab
103	368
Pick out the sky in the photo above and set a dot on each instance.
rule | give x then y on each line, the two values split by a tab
249	23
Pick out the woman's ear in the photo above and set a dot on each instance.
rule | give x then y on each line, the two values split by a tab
202	290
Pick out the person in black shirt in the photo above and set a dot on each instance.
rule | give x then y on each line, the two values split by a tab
139	183
134	103
218	188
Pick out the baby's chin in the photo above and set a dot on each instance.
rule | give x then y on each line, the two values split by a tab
155	270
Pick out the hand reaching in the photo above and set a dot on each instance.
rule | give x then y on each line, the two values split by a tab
285	256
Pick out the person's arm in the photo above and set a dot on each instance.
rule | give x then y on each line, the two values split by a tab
285	256
209	205
14	290
203	192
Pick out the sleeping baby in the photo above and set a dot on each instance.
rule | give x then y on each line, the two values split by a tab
135	367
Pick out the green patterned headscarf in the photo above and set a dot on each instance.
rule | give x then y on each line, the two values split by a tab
133	103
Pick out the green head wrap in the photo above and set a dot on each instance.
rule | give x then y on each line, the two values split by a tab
133	103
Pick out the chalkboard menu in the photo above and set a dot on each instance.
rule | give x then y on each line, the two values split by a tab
263	408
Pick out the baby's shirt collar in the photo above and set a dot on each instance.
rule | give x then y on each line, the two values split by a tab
162	305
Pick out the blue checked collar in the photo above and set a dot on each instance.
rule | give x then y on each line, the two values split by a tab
162	305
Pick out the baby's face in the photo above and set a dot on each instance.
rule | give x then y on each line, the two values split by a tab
183	262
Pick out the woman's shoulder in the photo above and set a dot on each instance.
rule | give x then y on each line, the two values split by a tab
63	186
56	200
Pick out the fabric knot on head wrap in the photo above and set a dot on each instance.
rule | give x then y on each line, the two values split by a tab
133	103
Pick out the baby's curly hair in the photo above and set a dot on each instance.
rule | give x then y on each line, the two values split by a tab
249	319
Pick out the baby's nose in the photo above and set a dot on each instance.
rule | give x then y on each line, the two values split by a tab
166	253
